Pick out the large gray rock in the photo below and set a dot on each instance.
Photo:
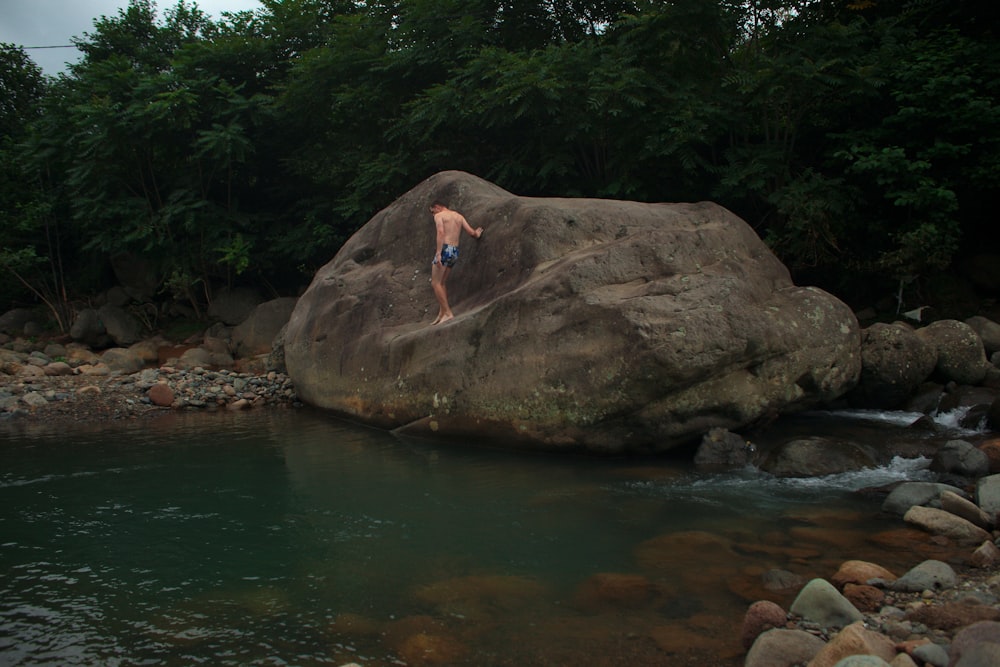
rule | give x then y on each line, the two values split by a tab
232	306
988	494
910	494
961	458
988	331
722	450
13	321
607	325
121	326
88	328
960	354
930	575
256	333
894	363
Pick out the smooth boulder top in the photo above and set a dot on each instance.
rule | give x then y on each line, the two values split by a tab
580	323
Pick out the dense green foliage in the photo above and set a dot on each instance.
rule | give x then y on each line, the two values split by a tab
861	138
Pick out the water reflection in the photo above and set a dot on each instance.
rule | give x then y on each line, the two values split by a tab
294	538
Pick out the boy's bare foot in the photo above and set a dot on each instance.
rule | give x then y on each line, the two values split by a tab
445	318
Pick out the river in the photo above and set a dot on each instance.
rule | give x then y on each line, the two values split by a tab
293	538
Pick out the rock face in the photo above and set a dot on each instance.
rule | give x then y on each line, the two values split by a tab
607	325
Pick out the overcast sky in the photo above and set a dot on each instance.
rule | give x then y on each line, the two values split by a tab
53	22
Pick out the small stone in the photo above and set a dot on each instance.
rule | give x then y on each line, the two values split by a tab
33	399
864	597
860	572
161	394
760	617
931	653
986	556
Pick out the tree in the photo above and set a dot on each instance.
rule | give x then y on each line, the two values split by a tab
29	235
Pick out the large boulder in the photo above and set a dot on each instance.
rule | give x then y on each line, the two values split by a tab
233	305
608	325
894	363
121	326
960	354
257	332
988	331
13	321
88	328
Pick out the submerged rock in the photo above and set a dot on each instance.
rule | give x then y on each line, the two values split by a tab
816	456
606	325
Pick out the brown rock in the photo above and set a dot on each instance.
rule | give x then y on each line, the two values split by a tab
783	648
679	638
161	394
860	572
909	645
855	639
58	368
762	615
992	450
480	596
986	556
952	615
865	598
968	639
611	590
668	552
424	649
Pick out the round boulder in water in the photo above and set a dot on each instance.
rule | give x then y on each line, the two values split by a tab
894	361
960	354
816	456
961	458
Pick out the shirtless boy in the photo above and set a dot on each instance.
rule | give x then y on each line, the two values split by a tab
449	226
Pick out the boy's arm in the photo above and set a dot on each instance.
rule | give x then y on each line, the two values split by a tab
477	232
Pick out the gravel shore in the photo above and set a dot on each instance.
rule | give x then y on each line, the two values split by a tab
79	398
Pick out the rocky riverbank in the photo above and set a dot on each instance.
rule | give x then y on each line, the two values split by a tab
75	386
945	612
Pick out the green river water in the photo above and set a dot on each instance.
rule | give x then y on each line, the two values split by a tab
292	538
